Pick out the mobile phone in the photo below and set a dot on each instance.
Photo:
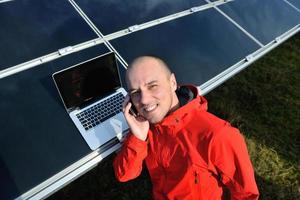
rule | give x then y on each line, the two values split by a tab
133	109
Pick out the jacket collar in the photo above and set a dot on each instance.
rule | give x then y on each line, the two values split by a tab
178	118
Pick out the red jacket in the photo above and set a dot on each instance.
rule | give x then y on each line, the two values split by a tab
191	154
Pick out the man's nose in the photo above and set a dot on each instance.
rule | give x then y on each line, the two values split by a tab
145	97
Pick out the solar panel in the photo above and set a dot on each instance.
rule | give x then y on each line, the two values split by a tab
198	47
36	132
111	16
30	29
265	19
40	148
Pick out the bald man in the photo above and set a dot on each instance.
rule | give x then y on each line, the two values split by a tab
189	153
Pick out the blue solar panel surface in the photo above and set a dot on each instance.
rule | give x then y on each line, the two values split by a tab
30	29
265	19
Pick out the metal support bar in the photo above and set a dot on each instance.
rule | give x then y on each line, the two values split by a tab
4	1
49	57
97	31
161	20
65	51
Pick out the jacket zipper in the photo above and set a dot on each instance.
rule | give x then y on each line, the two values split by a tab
160	158
196	176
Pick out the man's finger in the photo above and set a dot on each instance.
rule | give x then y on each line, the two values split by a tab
125	102
127	108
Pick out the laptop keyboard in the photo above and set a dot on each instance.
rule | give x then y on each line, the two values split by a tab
100	112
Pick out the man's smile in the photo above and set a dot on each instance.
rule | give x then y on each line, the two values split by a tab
150	108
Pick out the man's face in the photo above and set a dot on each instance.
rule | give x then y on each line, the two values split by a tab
152	89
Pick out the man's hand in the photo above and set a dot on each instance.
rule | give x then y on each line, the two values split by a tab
139	125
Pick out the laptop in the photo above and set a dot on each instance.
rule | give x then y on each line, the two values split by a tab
92	94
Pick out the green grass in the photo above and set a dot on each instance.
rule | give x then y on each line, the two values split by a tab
263	101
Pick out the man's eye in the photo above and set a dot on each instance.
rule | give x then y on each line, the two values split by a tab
134	94
152	86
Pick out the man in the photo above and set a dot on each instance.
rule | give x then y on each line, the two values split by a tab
189	153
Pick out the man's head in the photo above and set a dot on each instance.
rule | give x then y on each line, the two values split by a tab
152	88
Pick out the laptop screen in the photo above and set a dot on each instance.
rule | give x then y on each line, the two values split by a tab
88	81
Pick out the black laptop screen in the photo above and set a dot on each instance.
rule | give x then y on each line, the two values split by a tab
88	81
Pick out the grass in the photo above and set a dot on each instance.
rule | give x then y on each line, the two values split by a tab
263	101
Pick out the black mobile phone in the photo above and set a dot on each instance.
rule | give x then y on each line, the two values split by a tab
133	110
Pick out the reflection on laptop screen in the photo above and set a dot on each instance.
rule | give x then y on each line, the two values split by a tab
89	80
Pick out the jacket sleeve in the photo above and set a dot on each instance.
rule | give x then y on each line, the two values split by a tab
230	156
128	162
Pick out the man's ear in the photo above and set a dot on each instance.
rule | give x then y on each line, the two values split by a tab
173	82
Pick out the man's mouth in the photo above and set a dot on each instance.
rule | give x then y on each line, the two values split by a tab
150	108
